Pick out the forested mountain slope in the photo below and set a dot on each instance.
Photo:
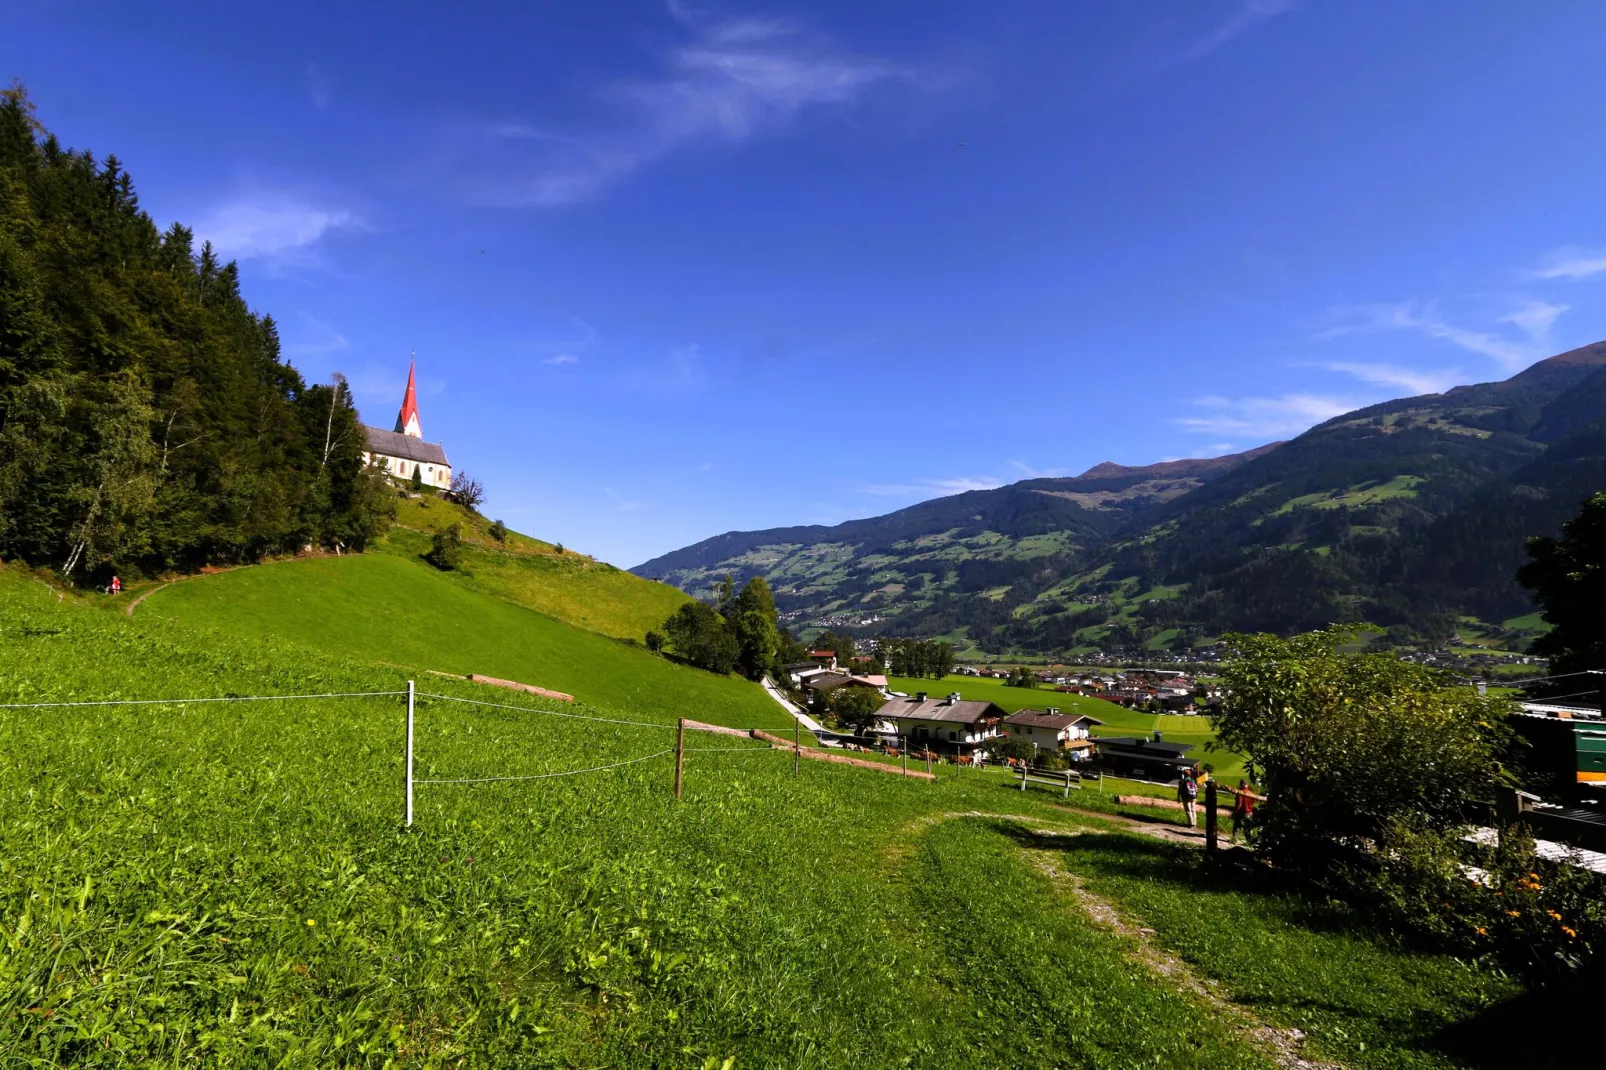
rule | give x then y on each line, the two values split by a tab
147	418
1407	514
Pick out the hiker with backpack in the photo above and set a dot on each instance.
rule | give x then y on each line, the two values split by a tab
1188	796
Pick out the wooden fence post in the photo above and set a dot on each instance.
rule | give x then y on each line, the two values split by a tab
1212	839
680	752
797	745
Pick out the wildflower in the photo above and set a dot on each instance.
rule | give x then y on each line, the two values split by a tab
1513	913
1482	931
311	924
1553	914
1572	934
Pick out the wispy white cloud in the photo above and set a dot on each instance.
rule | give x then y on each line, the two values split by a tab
624	505
562	358
1570	262
1535	317
734	81
1512	354
1415	382
271	226
934	488
1028	471
1263	417
311	338
1245	15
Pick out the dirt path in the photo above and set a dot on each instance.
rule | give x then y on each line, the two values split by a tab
1283	1045
128	611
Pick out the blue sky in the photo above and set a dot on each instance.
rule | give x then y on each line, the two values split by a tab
674	269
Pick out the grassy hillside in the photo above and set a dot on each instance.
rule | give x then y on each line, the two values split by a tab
573	587
227	885
385	608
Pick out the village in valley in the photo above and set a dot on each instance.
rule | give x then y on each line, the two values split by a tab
1240	705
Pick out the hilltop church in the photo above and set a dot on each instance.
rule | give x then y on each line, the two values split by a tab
403	452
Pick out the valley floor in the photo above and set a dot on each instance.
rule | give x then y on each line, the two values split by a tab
228	884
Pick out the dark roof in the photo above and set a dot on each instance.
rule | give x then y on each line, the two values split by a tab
1146	746
1056	721
408	448
796	665
937	709
825	681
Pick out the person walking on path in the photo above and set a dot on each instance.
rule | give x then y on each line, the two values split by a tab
1243	812
1188	796
117	586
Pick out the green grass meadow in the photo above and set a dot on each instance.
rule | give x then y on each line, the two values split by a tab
229	884
386	608
574	588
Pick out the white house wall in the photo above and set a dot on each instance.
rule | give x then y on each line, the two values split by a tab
433	475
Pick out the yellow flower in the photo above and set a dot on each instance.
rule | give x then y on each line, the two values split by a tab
311	923
1513	913
1553	914
1572	934
1482	931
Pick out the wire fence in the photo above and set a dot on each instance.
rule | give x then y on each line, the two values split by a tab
411	694
186	701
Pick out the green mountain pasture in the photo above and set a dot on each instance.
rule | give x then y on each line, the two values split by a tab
384	608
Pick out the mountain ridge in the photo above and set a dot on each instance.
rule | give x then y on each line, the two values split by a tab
1409	514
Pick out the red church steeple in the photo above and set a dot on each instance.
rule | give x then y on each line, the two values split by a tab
407	419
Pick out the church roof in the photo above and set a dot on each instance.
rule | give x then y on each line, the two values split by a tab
409	405
408	448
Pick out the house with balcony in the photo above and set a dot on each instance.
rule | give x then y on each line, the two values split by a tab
1052	730
951	725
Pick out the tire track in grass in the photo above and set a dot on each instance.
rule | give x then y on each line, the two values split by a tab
1285	1045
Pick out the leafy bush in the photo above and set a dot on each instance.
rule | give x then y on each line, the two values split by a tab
446	549
1018	747
855	707
497	531
1373	769
655	642
700	635
1021	676
1347	745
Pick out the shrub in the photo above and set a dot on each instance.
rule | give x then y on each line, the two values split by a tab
446	550
497	531
855	707
417	481
1373	768
655	642
1350	745
466	491
698	634
1017	747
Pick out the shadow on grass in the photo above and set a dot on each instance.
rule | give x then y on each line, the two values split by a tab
1556	1026
1543	1027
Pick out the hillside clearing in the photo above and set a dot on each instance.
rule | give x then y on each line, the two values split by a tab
386	609
243	867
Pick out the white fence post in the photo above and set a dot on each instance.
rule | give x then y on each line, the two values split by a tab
409	754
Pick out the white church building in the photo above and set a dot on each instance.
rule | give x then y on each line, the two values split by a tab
403	452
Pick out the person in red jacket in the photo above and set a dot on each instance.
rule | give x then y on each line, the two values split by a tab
117	586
